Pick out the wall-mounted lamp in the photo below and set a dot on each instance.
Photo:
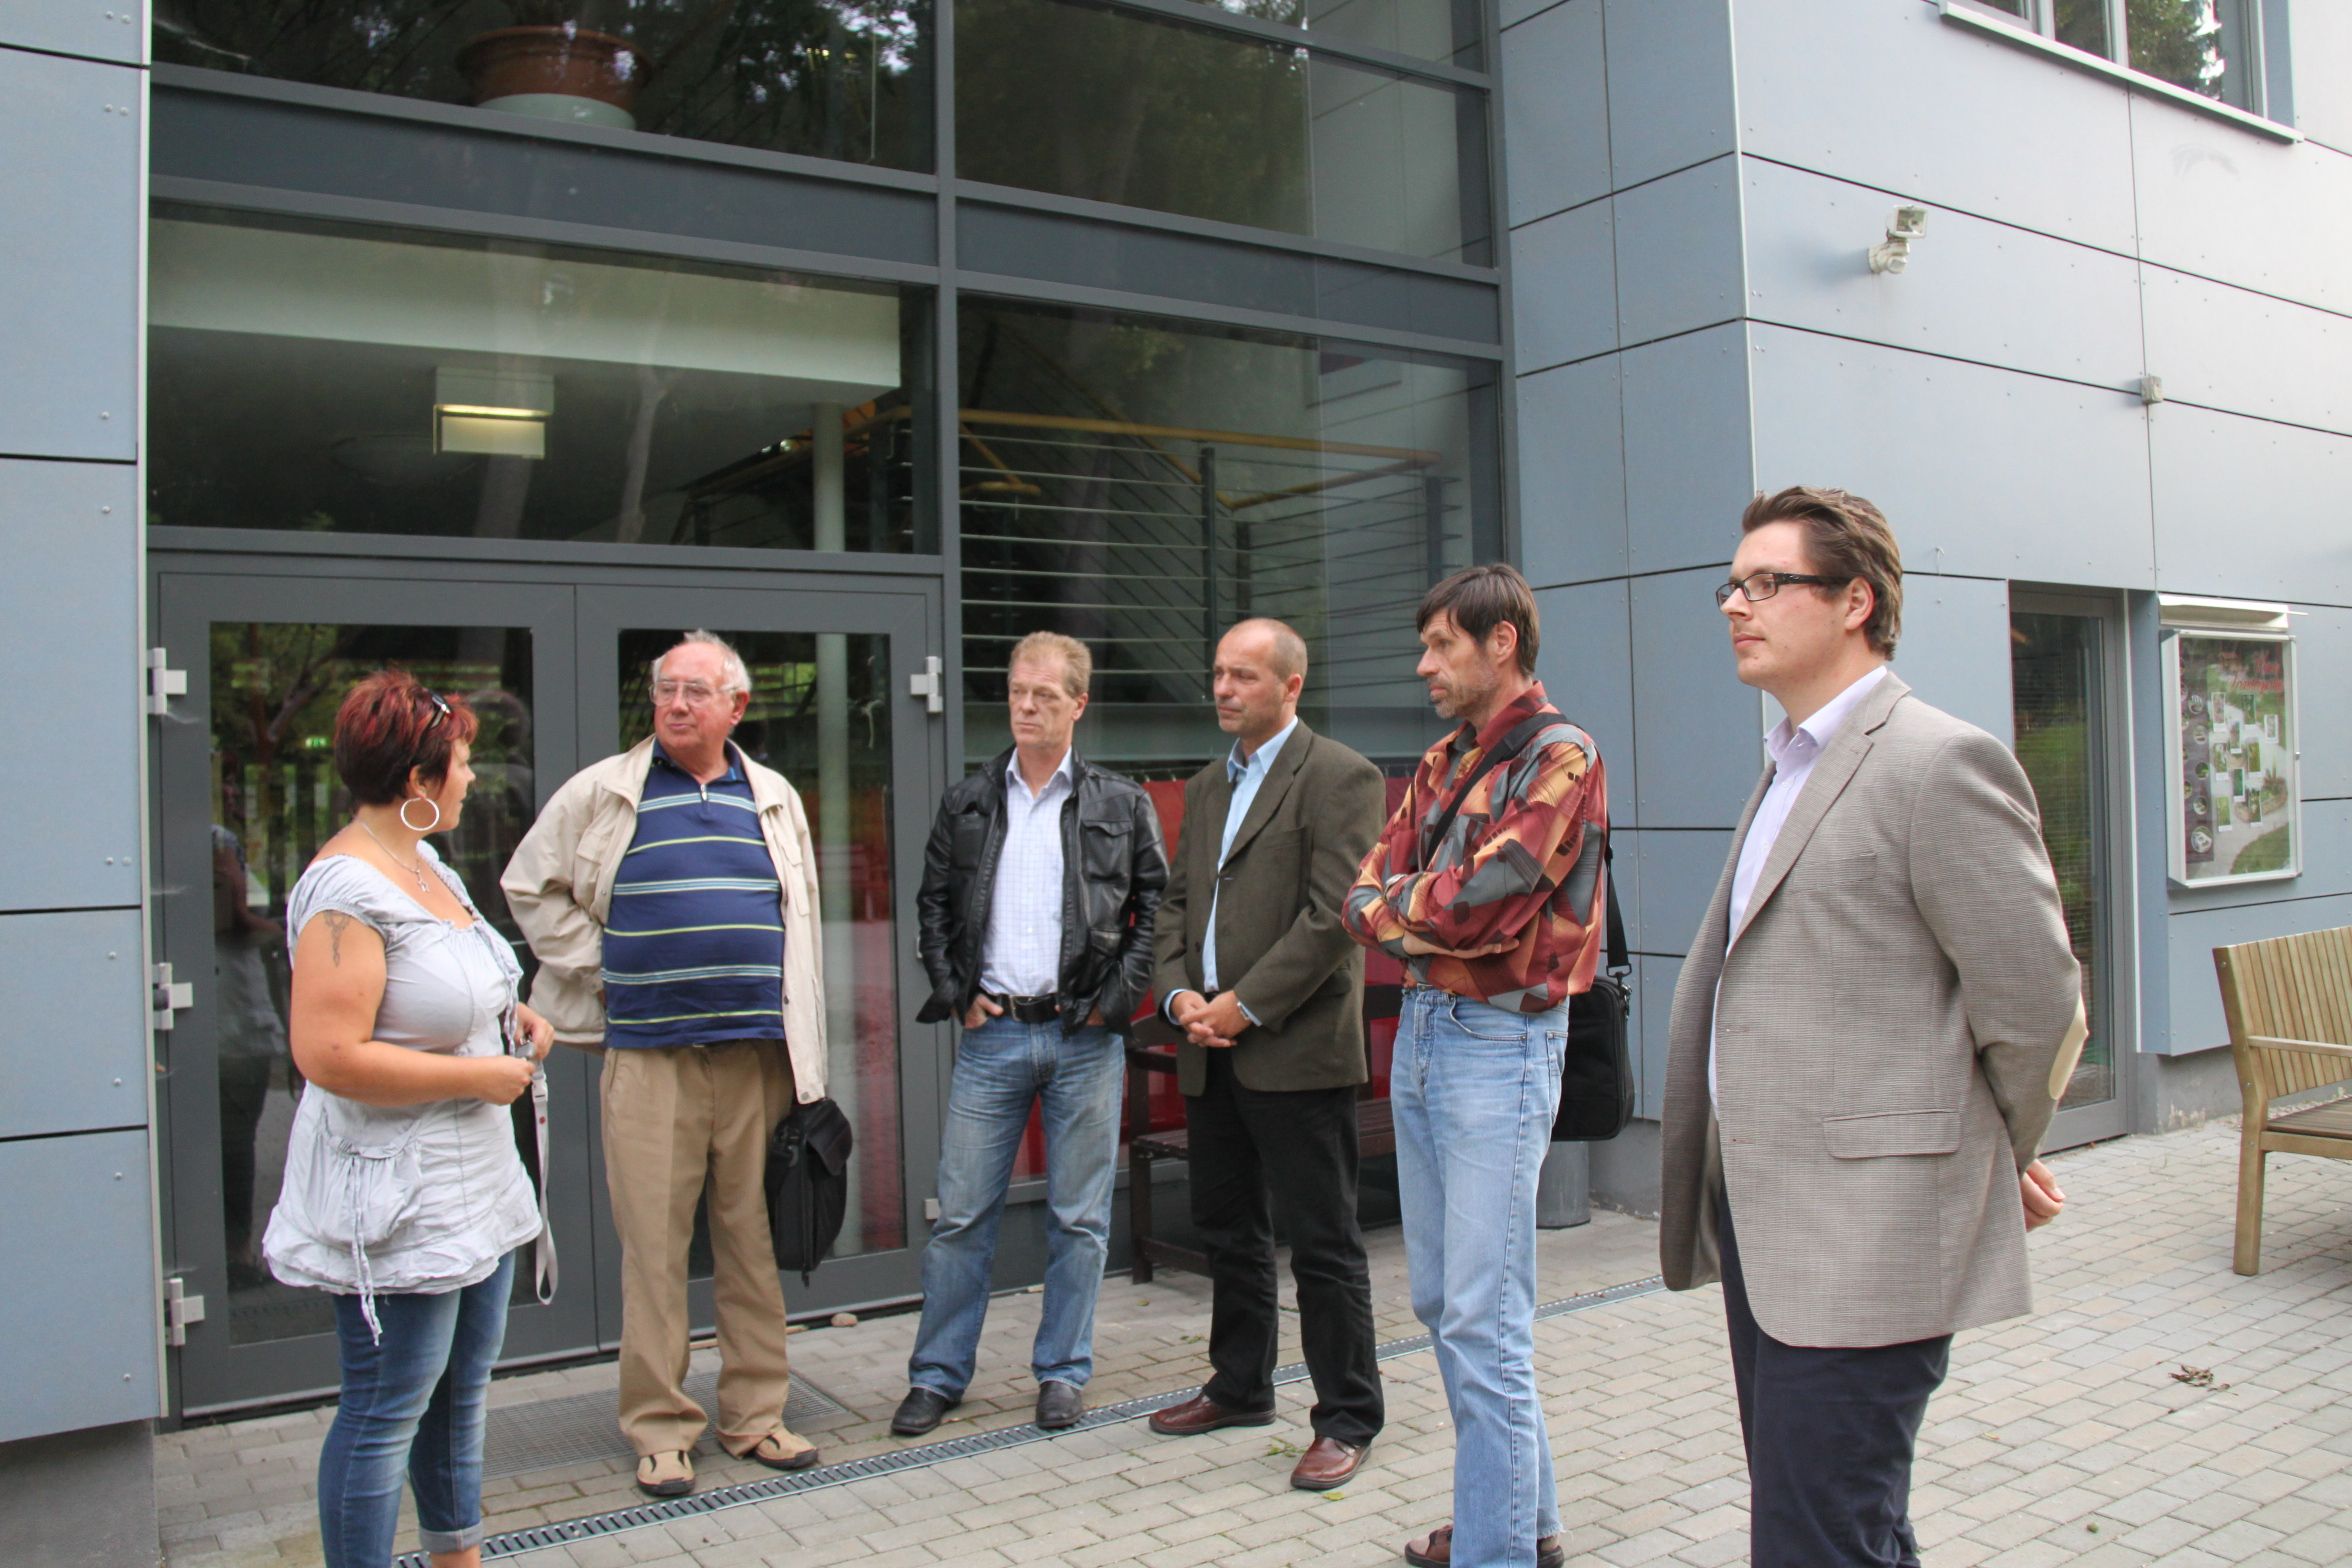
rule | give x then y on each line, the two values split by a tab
493	413
1893	253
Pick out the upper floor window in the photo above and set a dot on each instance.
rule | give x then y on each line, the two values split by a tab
844	79
2208	47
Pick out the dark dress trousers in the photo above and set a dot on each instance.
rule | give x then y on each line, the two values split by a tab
1273	1119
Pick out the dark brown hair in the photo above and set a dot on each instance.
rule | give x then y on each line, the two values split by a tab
1480	598
389	723
1846	538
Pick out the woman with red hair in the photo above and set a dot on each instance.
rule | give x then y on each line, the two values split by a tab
404	1195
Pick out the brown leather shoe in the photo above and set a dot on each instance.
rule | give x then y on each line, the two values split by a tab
1436	1550
1327	1463
1200	1414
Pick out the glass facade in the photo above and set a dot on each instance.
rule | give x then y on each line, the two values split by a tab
1206	124
345	381
515	409
845	79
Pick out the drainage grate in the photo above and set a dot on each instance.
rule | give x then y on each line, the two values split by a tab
578	1428
850	1471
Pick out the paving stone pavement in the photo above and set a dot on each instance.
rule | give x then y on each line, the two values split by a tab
2068	1437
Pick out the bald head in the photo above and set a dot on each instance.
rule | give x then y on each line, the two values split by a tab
1261	667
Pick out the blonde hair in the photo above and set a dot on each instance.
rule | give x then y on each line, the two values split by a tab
1077	663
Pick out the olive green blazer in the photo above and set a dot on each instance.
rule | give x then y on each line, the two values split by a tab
1280	944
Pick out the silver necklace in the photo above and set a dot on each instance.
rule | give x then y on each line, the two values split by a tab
416	869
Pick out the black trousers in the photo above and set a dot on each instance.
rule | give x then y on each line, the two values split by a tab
1830	1434
1265	1156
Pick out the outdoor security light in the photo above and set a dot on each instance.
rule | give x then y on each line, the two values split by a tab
1893	253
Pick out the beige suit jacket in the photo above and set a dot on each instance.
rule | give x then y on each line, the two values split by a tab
1892	1027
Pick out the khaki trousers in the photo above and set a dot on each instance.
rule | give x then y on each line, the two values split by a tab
682	1123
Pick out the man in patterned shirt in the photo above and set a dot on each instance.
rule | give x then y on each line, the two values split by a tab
670	894
1486	885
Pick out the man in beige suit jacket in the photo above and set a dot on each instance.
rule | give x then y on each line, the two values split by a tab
1868	1039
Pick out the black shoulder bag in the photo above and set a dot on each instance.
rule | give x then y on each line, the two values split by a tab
808	1184
1596	1077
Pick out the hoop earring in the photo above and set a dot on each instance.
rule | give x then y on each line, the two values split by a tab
429	802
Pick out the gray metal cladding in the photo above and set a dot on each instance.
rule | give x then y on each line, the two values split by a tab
1698	737
1566	307
70	992
1678	252
1572	476
1688	446
1555	110
79	1351
2249	508
1670	86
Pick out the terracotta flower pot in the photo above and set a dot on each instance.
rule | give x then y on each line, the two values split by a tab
566	62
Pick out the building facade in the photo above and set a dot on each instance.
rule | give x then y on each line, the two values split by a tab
504	341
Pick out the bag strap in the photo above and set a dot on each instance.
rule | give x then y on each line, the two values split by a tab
1619	964
1503	751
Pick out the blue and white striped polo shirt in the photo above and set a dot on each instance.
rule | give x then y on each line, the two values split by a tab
694	940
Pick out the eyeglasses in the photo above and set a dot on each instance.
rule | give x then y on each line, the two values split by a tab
697	693
1763	585
440	707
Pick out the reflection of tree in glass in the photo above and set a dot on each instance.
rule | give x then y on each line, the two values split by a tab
832	78
1114	108
2177	40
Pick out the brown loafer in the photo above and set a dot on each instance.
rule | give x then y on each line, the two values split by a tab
1200	1414
1436	1550
1327	1463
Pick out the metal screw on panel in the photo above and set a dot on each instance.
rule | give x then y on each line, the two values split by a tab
118	1083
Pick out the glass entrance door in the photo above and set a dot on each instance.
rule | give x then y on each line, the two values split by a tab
831	710
246	793
2064	659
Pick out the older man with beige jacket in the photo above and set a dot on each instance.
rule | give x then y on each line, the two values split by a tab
670	894
1873	1026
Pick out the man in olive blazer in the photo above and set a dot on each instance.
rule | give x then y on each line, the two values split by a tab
1869	1036
1266	989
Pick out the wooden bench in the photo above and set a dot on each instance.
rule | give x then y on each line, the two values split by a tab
2288	1000
1375	1135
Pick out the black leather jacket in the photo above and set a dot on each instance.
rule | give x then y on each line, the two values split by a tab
1113	870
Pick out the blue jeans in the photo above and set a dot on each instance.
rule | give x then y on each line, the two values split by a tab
1473	1090
1001	1068
414	1402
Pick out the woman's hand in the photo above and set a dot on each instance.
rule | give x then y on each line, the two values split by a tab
535	1031
501	1080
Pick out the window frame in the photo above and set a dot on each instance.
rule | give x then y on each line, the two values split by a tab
2269	106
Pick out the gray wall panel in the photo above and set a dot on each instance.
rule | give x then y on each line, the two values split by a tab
1955	647
1678	876
2222	202
2194	993
69	316
1572	473
1583	663
2327	866
2319	52
2323	668
1564	287
1688	463
2249	353
1983	472
1670	86
2249	508
1699	742
94	29
80	1350
1975	289
1678	252
1910	114
1555	111
75	1051
71	583
1654	979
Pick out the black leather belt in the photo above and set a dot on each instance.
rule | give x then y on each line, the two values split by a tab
1031	1009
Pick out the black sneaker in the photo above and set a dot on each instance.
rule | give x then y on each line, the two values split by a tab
1059	1405
920	1411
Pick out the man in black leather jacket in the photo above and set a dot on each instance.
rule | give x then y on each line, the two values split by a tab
1040	881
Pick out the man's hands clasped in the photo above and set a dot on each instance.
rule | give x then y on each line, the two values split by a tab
1214	1022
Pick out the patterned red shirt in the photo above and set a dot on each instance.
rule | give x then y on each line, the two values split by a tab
1522	863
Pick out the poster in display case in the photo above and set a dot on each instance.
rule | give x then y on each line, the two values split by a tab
2236	801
